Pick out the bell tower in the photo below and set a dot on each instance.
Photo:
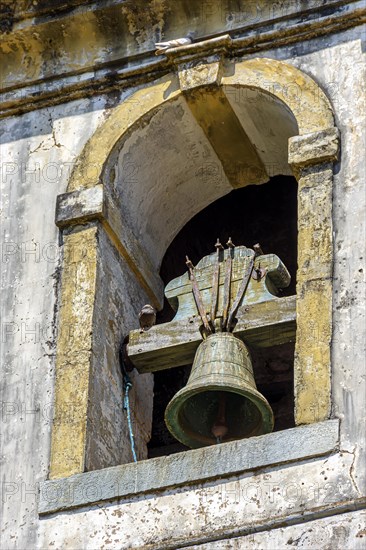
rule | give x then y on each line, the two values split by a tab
245	408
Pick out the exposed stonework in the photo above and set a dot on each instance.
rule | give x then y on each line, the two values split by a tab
314	148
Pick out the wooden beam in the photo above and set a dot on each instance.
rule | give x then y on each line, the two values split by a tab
174	344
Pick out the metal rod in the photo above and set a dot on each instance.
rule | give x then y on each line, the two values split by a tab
243	286
227	284
215	284
197	297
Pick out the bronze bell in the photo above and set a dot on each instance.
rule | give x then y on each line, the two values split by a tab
220	401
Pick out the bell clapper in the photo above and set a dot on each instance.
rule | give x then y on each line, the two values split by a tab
219	428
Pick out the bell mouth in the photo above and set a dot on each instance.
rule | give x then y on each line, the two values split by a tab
192	415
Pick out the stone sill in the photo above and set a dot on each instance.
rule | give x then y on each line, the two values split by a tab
189	467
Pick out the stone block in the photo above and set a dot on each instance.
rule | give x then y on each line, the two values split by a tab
190	467
312	352
193	74
79	206
314	148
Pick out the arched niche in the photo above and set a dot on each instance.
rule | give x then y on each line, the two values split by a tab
165	169
168	151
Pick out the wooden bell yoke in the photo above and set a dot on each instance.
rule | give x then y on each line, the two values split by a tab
232	290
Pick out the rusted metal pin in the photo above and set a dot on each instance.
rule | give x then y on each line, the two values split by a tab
243	286
258	250
215	284
258	273
198	297
227	283
241	292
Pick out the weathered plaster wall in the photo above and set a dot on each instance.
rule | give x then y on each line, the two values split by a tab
29	270
197	513
117	308
80	35
37	152
343	531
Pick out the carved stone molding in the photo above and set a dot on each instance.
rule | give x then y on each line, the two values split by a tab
314	148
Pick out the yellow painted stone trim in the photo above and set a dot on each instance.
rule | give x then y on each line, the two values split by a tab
312	366
298	91
312	353
121	119
74	352
304	98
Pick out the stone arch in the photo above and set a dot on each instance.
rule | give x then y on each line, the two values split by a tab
93	218
290	89
302	95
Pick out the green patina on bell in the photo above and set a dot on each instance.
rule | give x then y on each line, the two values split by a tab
220	401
